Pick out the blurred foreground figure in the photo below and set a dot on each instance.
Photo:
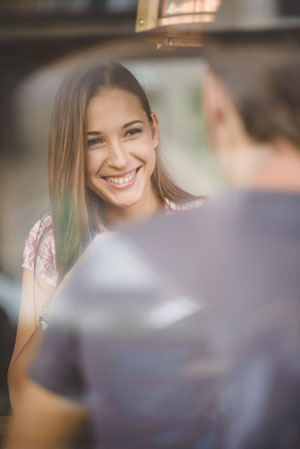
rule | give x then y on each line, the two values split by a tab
185	332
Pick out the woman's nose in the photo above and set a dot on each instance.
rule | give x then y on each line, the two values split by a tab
117	156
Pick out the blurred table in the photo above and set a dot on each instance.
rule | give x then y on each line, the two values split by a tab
3	426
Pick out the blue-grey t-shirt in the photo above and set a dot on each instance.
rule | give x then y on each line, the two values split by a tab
173	333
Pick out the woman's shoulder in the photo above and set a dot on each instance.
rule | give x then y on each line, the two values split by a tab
41	234
178	206
39	249
41	225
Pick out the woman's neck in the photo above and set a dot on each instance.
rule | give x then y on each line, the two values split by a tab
112	216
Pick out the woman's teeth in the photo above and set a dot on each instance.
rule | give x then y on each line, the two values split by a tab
123	179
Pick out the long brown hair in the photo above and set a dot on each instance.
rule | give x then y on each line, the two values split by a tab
73	206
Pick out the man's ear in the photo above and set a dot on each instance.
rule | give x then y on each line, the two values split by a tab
214	98
219	112
154	126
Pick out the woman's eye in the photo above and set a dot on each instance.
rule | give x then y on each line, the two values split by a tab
133	131
95	141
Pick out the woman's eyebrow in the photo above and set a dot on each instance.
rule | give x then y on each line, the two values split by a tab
132	123
93	133
96	133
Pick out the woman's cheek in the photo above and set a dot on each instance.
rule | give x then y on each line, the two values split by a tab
93	163
146	149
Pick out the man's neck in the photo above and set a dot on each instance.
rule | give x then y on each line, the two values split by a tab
275	167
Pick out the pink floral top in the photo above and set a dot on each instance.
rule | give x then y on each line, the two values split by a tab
44	249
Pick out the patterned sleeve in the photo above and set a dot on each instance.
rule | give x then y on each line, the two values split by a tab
40	240
172	208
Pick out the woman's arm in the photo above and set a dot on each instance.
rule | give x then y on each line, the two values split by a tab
35	295
45	420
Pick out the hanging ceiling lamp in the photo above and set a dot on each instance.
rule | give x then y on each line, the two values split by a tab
186	22
158	17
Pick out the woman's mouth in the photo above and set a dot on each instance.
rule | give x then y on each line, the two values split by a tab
122	181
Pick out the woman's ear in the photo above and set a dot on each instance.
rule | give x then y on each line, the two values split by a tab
154	127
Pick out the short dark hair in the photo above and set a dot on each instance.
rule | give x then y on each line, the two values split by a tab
262	73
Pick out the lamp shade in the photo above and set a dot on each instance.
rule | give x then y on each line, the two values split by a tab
185	22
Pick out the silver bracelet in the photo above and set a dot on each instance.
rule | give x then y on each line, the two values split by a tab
43	319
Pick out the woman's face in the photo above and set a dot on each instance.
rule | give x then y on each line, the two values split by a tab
120	148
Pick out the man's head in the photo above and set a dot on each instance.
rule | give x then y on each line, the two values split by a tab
252	98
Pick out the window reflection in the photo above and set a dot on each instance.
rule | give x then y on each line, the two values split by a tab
174	7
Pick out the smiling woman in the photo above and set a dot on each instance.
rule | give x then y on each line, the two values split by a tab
104	168
120	157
